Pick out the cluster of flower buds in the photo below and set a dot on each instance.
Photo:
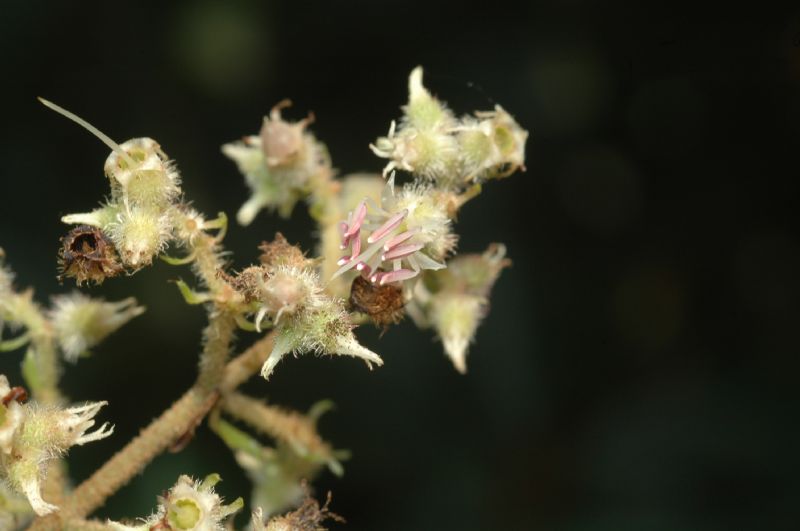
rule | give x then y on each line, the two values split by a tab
287	290
432	144
188	506
278	473
32	435
140	217
454	300
280	164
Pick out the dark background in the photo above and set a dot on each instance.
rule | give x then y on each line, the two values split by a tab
638	368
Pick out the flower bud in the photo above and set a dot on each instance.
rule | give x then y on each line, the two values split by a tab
456	317
493	147
151	181
31	435
323	329
456	299
433	145
81	322
278	165
140	234
423	111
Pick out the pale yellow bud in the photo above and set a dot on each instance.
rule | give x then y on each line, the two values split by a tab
456	317
140	234
151	182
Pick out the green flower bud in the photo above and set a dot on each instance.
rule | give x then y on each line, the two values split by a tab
151	182
140	234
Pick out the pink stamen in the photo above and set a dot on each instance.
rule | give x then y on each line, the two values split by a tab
396	276
401	251
397	240
343	260
363	268
391	224
357	220
356	246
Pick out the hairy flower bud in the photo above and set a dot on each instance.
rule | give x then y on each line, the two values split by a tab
152	181
435	146
81	322
456	299
140	234
456	316
145	187
31	435
324	328
279	164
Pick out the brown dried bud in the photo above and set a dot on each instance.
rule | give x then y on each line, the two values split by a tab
308	517
87	254
249	282
279	252
384	304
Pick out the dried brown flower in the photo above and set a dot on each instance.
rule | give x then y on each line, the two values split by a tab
281	252
384	304
308	517
87	254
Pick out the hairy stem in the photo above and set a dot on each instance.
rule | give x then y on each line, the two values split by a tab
217	341
41	368
279	423
174	423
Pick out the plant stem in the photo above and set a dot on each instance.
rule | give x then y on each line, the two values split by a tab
181	417
217	340
41	367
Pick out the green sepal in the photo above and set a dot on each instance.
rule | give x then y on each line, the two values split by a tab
189	295
13	344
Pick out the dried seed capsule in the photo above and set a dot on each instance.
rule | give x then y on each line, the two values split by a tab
383	303
87	254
